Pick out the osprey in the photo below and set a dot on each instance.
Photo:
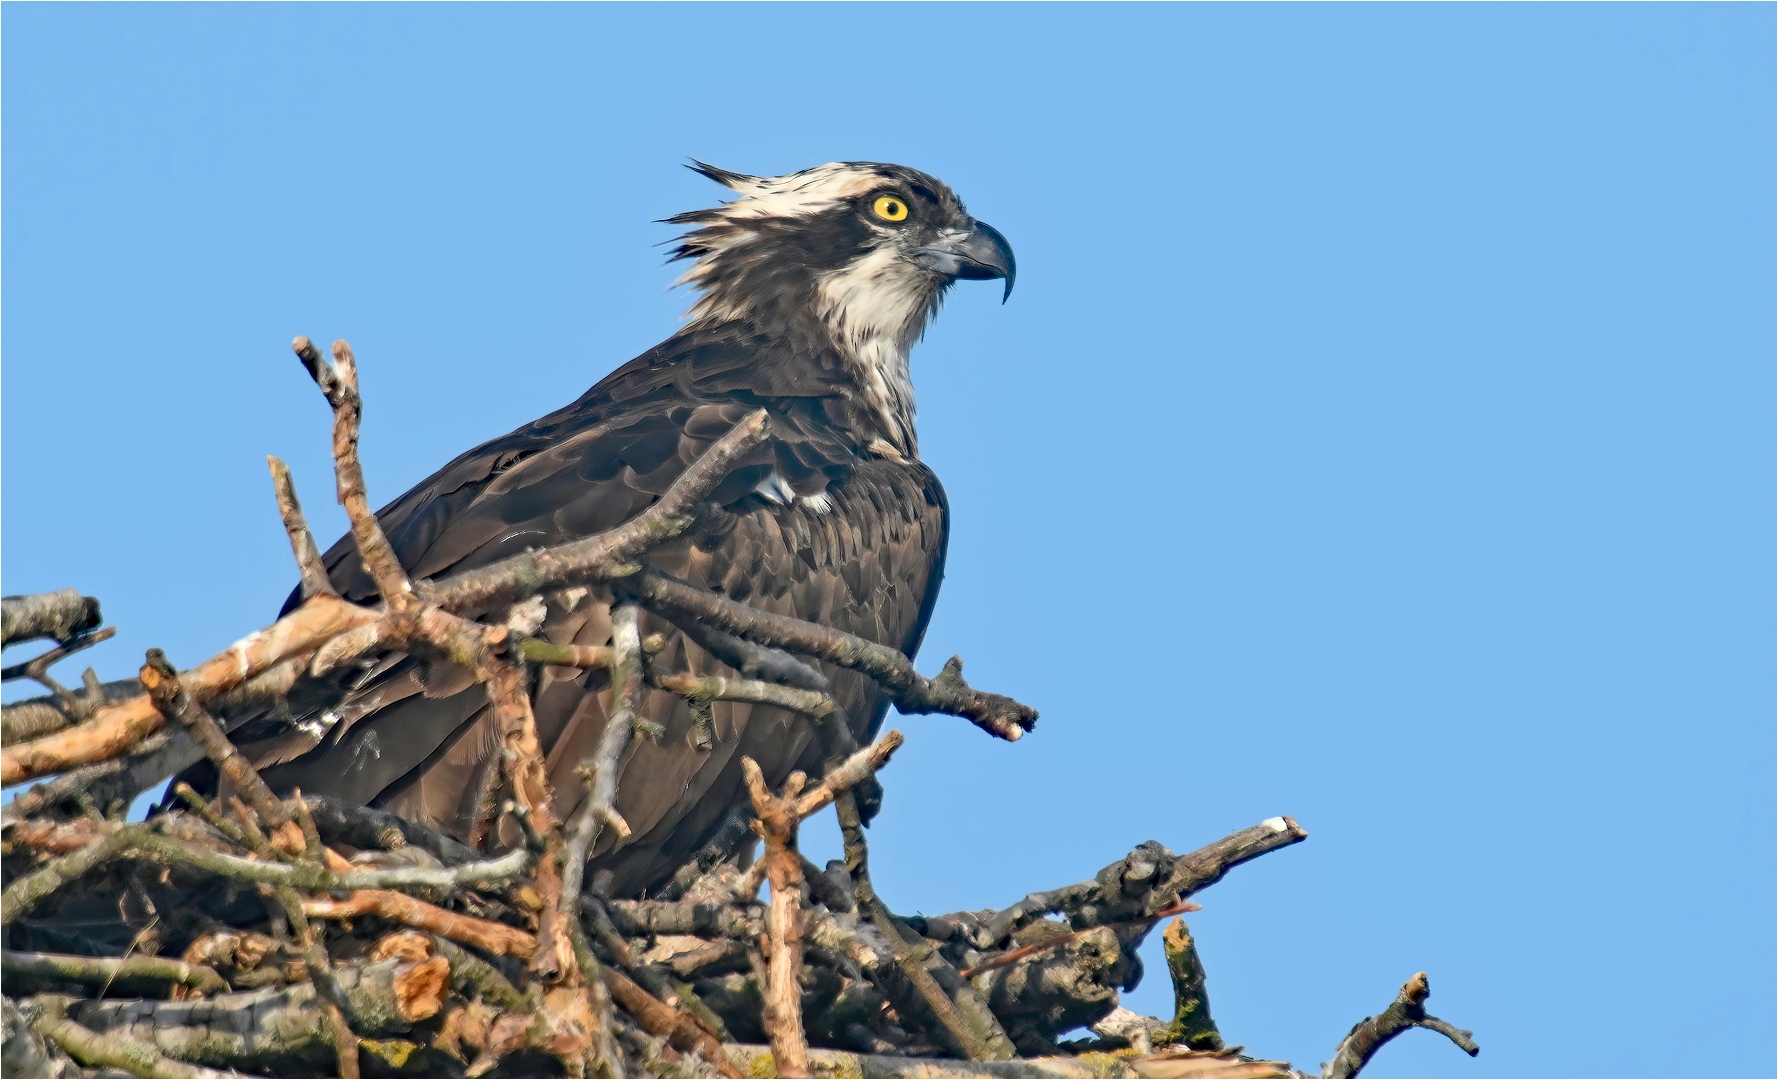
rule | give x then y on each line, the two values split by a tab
811	289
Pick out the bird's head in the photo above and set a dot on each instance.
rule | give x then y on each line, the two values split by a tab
867	249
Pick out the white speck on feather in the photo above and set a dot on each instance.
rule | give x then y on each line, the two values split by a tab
775	489
369	749
317	726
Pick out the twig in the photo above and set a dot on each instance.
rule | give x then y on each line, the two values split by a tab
493	937
111	1049
62	615
408	619
680	1029
318	878
1144	882
119	779
471	975
341	391
958	1008
602	771
38	666
366	828
913	693
32	889
128	974
783	994
315	581
161	680
250	1030
1408	1010
115	729
778	817
1027	951
706	688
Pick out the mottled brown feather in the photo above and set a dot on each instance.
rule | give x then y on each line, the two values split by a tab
412	737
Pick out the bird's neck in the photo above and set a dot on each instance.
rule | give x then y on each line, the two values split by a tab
873	312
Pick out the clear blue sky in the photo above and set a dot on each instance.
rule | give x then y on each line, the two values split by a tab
1381	432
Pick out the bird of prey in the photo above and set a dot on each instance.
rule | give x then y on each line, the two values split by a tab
811	288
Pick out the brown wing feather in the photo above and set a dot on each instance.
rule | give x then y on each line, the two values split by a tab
414	736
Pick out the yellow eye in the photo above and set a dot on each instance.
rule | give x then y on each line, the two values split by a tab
890	208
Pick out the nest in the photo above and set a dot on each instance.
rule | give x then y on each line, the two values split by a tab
302	936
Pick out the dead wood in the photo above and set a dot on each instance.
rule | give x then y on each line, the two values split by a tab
1192	1026
423	956
914	693
1408	1010
62	616
37	972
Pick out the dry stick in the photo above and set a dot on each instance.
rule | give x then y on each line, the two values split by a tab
493	937
308	875
602	770
1408	1010
1028	951
960	1010
126	974
32	889
1192	1026
466	643
315	581
340	386
680	1029
707	688
976	1039
568	1011
783	1011
152	760
62	615
600	808
110	1049
38	666
778	817
115	729
1109	897
161	680
913	693
365	828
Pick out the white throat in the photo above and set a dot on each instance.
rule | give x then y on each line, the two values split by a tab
875	309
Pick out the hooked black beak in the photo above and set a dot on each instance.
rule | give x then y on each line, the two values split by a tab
978	255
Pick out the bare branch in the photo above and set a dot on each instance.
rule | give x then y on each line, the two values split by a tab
63	615
125	975
493	937
602	771
38	666
115	729
1407	1011
365	828
315	581
161	681
112	1050
913	692
1143	883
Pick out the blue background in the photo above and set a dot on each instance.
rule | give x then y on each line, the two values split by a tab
1381	432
